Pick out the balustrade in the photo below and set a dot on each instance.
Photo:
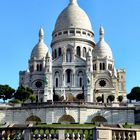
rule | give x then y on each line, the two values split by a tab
11	134
123	135
46	133
69	134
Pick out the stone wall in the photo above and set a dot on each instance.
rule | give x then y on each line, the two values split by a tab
80	113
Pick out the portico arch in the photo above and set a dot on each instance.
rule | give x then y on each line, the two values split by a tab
33	119
66	119
99	119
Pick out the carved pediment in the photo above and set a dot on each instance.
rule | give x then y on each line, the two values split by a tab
79	60
58	61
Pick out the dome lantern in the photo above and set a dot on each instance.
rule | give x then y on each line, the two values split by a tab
101	33
73	2
41	34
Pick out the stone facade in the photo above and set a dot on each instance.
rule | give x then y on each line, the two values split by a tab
77	66
78	69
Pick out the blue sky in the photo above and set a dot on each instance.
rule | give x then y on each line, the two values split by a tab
20	21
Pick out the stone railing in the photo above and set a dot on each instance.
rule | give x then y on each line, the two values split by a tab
117	134
74	103
12	133
62	133
65	103
73	136
46	133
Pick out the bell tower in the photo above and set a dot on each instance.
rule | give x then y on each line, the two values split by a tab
48	86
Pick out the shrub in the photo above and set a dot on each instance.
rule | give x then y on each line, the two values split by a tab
99	99
120	98
111	98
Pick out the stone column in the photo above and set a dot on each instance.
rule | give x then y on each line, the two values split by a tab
27	134
97	66
64	55
61	134
106	64
63	78
34	66
138	135
73	55
73	78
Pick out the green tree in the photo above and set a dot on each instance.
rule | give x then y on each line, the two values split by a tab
111	98
80	96
56	98
32	98
130	97
120	98
23	93
99	99
6	92
134	94
15	101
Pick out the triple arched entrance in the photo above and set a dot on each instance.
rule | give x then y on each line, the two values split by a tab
67	119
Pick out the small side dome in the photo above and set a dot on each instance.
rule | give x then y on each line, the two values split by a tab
40	50
102	49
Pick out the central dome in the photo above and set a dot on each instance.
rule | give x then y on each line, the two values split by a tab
73	17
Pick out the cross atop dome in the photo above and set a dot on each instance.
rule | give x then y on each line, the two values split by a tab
73	2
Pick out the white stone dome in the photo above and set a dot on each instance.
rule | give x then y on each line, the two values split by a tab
73	17
102	49
40	50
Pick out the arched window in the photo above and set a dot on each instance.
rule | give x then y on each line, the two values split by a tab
40	69
94	67
110	66
55	53
59	52
56	83
80	78
84	52
68	72
78	51
81	82
68	55
56	79
102	66
37	67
